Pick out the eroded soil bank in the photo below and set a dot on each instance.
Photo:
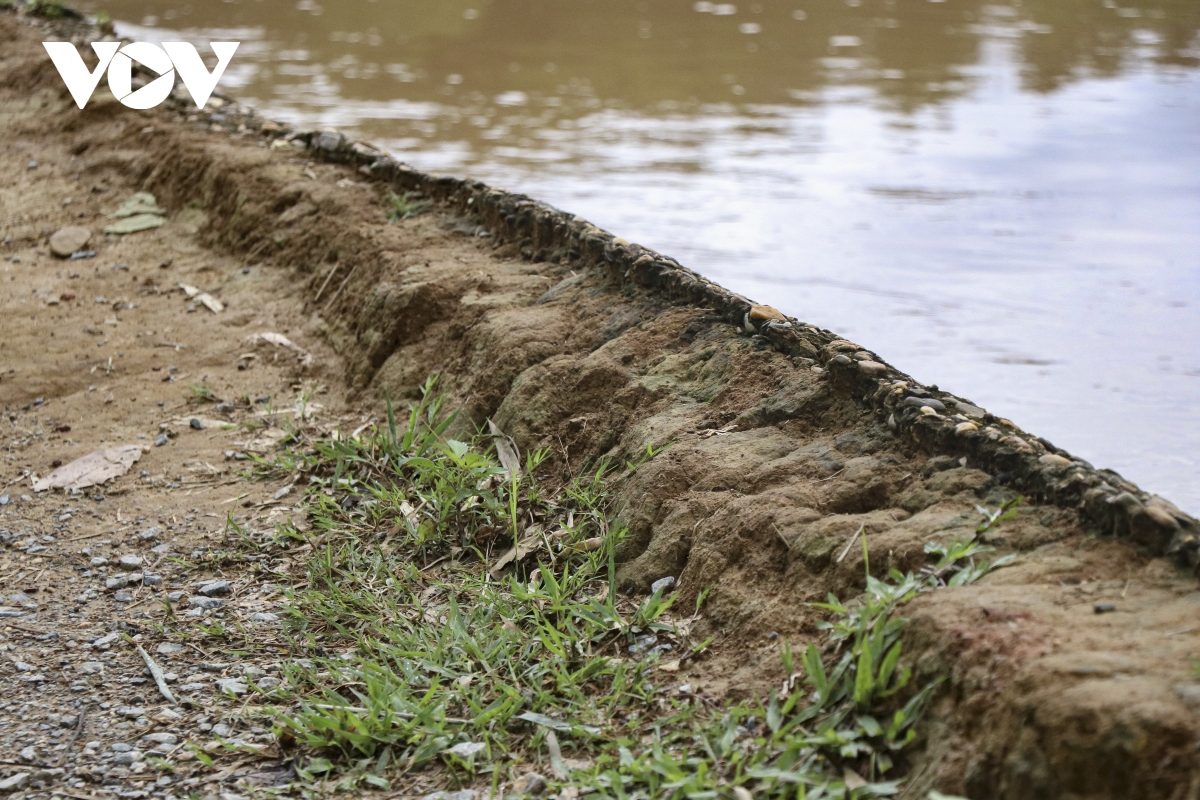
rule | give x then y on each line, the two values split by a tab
1068	673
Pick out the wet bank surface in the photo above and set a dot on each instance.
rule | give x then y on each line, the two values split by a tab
1001	195
1066	673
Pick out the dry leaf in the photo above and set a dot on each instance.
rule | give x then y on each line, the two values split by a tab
211	303
93	469
531	541
852	779
506	451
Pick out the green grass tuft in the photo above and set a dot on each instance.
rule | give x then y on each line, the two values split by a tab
405	206
459	614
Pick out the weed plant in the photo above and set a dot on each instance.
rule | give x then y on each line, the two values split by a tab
458	617
404	206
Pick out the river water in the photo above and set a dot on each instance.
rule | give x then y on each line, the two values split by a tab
1003	198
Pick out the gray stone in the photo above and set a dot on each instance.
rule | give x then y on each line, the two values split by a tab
329	140
222	730
106	641
130	561
464	794
205	602
66	241
215	589
168	648
29	753
161	738
662	584
123	596
919	402
872	368
232	686
533	783
268	683
148	534
14	782
90	668
161	439
196	424
119	581
265	617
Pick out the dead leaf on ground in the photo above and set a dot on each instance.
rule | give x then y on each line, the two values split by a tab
211	303
266	441
91	470
506	451
531	541
138	203
279	340
141	222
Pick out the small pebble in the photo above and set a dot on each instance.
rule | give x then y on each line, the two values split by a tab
662	584
215	589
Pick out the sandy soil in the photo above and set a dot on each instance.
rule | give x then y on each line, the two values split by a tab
1068	674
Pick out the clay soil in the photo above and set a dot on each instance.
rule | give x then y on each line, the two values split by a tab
1068	674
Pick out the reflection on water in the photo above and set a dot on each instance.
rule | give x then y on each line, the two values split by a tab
1000	196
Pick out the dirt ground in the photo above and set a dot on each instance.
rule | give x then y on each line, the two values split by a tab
1068	674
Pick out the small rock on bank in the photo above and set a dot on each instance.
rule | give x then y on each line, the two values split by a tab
68	240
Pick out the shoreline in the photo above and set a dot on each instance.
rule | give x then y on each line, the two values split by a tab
781	439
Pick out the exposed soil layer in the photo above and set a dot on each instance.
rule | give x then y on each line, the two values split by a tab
783	440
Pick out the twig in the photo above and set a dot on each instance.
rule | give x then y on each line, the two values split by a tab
17	479
321	291
338	293
62	762
850	543
86	536
830	477
400	714
156	671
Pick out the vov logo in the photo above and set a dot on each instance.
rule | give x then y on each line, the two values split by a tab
118	60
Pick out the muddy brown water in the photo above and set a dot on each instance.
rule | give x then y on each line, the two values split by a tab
1000	197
